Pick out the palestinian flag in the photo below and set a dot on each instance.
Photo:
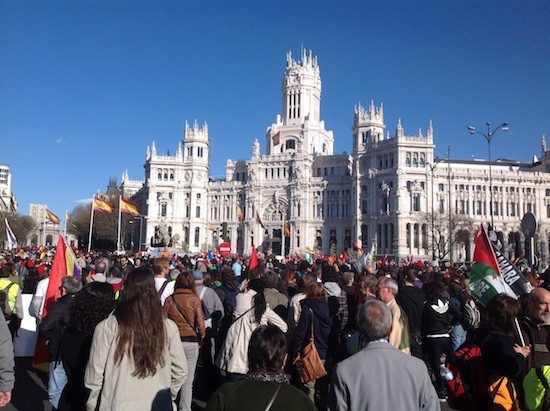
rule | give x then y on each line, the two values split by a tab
492	273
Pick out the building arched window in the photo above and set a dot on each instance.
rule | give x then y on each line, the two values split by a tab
197	236
408	159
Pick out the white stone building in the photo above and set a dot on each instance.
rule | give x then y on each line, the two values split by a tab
382	192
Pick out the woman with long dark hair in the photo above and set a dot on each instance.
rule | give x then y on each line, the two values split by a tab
251	311
137	360
185	309
504	360
90	306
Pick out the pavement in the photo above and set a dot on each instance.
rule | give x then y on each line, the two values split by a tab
31	393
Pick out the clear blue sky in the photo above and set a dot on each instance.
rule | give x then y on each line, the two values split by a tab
86	86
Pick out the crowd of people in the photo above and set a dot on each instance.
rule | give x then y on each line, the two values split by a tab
135	331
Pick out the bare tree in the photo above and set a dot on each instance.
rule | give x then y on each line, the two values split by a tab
463	227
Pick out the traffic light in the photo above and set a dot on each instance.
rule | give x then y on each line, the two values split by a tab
224	231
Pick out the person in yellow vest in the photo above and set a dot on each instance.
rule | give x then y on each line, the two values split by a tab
13	306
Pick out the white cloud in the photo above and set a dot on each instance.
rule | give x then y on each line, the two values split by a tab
58	140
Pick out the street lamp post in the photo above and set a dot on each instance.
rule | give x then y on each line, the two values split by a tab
489	136
432	169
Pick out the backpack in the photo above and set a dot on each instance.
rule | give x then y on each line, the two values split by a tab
4	303
471	316
230	302
468	388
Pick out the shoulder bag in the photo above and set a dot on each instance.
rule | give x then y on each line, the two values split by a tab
308	363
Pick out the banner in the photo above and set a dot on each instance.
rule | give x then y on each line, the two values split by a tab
52	217
11	239
492	273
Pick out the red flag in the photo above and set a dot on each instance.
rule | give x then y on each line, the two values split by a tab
253	259
63	258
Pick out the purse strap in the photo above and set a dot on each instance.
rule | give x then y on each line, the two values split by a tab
312	334
240	316
272	400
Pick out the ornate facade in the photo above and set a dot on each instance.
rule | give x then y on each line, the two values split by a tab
301	195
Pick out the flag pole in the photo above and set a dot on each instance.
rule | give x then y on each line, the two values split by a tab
119	218
91	224
65	230
283	235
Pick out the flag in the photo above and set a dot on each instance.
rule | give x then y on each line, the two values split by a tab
371	256
68	218
64	264
52	217
12	240
356	247
286	228
253	259
259	220
210	227
240	214
102	205
492	273
129	207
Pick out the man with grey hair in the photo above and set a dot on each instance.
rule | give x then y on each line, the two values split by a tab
380	377
399	337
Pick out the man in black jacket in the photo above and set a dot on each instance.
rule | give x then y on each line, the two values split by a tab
411	300
52	328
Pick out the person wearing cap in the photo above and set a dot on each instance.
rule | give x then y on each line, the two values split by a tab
52	328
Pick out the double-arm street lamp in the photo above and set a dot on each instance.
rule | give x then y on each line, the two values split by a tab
432	169
489	136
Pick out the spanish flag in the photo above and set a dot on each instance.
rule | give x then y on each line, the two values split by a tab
259	220
129	207
240	214
102	205
52	217
286	228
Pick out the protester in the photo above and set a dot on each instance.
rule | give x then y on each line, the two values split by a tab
411	299
504	359
251	311
380	377
13	304
89	306
386	292
52	329
7	364
265	386
163	284
136	360
185	309
315	313
436	325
